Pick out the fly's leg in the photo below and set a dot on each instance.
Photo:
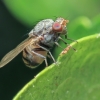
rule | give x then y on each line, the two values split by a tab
58	45
41	57
63	40
46	62
49	56
48	52
67	44
70	39
57	63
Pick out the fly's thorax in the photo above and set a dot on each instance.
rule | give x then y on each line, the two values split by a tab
49	39
43	27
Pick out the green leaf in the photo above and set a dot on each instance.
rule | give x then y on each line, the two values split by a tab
76	78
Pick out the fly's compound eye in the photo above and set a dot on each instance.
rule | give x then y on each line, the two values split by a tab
57	27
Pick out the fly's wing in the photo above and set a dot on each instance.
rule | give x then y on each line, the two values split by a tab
13	53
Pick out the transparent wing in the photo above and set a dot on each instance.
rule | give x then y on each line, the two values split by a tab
13	53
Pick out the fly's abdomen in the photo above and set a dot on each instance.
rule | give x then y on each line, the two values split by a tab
32	60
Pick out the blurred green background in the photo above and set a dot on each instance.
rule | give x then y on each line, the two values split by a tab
29	11
18	17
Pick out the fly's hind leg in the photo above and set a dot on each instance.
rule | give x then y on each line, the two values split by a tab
41	57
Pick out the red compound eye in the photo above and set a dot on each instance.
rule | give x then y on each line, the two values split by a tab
57	27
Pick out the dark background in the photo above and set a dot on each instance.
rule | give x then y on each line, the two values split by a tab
15	74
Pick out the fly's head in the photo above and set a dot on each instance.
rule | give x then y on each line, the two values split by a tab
59	26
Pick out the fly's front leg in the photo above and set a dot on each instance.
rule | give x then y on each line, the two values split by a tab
41	57
48	52
67	44
70	39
